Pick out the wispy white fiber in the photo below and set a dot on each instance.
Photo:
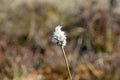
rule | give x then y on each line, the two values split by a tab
59	36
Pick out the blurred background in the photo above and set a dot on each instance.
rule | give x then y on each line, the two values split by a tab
93	39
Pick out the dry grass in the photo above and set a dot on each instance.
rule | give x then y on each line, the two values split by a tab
26	52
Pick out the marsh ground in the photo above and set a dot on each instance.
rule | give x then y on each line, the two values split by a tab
93	44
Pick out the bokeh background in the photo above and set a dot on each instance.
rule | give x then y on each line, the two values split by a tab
93	39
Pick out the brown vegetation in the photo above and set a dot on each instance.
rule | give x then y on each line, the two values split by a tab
26	52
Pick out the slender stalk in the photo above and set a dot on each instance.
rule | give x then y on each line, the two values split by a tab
66	62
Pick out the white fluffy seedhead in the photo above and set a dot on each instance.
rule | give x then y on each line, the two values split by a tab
59	36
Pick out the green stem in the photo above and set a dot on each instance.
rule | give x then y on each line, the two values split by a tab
66	62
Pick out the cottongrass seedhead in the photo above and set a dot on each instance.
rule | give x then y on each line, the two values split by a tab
59	36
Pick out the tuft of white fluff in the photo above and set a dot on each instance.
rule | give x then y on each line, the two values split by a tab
59	36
